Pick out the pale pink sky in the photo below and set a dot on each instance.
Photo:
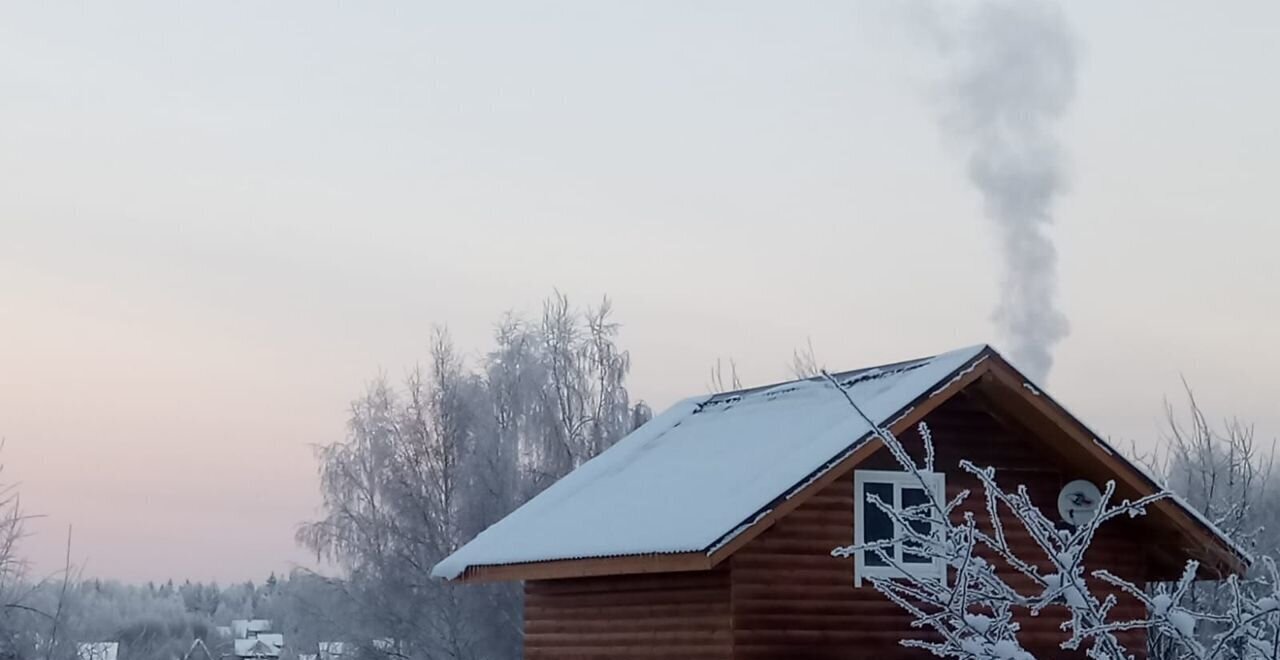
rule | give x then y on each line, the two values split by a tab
217	221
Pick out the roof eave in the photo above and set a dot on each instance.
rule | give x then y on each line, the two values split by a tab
555	569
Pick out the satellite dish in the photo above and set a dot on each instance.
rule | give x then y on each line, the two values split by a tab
1078	502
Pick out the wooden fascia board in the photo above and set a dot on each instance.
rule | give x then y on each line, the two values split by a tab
1015	384
588	567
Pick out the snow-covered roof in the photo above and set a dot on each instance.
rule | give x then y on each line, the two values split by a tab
257	647
699	473
245	627
274	639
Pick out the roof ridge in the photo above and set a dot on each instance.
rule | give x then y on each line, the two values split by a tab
754	389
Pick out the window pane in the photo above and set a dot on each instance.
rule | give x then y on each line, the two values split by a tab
913	497
876	525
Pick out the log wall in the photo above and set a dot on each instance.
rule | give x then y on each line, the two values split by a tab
661	615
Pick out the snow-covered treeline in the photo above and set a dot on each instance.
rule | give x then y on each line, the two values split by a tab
45	620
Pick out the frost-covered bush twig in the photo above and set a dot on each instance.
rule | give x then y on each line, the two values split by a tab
975	611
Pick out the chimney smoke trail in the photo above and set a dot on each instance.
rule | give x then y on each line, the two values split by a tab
1011	75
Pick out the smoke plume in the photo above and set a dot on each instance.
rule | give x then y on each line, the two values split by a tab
1011	68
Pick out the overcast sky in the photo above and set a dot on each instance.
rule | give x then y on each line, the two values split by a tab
219	220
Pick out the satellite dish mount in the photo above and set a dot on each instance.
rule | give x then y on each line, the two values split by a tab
1078	502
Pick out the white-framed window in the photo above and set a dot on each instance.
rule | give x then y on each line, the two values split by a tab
900	490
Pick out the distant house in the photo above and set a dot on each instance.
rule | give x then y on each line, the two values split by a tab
257	647
253	639
332	650
98	651
274	639
249	628
707	532
224	631
338	650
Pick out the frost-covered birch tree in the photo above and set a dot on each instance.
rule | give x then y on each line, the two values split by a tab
428	465
1224	471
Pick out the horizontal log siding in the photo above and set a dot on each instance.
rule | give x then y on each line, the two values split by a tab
662	615
790	599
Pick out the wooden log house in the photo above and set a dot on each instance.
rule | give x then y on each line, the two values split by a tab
707	532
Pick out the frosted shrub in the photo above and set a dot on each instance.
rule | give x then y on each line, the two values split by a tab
974	611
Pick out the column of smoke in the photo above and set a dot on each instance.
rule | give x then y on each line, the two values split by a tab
1010	76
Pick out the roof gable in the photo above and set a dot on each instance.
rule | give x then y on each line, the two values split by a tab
256	647
687	489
